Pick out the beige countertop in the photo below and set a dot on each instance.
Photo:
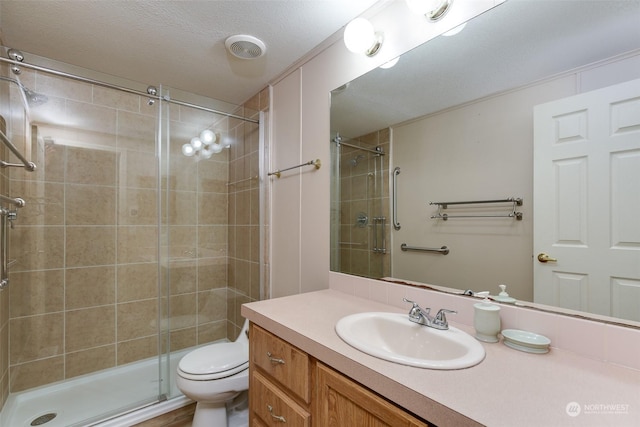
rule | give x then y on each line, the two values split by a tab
508	388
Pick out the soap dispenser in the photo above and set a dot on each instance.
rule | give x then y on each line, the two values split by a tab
486	319
503	296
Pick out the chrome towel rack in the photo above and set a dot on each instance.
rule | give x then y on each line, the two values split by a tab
315	163
29	166
515	201
441	250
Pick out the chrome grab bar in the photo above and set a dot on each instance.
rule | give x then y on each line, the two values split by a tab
396	223
30	166
6	215
442	250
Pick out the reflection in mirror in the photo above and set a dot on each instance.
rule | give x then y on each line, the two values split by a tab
514	106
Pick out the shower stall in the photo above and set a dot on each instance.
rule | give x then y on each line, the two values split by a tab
360	204
130	249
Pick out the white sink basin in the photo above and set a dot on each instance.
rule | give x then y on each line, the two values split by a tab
393	337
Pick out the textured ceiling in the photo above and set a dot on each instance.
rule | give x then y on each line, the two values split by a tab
517	42
179	44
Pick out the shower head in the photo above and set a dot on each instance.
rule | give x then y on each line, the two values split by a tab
31	98
34	99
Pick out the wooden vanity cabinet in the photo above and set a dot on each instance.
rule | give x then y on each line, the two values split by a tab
287	386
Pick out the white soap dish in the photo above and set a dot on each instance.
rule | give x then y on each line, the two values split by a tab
526	341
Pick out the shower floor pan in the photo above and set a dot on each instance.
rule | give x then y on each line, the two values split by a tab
74	402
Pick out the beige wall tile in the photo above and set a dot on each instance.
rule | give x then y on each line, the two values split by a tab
36	337
36	248
212	208
183	310
137	349
34	374
136	132
212	305
137	319
243	242
85	166
45	204
90	327
183	338
213	176
62	87
90	205
183	276
36	292
116	99
212	273
212	241
92	360
183	242
87	246
183	173
137	169
94	124
137	281
212	331
137	206
137	244
243	277
182	207
90	287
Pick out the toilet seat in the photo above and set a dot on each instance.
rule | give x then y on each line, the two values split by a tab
215	361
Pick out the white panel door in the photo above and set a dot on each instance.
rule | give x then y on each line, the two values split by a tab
587	201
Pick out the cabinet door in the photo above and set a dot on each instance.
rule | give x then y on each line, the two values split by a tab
343	402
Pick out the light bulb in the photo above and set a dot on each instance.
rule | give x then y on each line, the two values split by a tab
196	143
215	148
187	150
207	137
226	142
359	35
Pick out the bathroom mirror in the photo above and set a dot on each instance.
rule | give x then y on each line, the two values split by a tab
456	115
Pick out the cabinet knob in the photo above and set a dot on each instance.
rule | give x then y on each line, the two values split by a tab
274	360
274	416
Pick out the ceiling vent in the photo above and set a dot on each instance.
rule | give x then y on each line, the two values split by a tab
245	47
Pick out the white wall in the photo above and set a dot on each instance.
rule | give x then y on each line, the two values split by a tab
300	132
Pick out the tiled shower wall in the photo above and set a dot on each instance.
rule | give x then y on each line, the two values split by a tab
244	213
358	194
84	286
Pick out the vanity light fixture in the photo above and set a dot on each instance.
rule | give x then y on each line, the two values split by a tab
361	37
204	146
434	10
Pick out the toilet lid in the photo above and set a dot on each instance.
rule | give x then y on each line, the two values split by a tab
227	358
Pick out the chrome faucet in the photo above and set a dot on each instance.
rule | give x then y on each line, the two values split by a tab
422	316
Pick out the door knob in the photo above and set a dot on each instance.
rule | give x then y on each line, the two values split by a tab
542	257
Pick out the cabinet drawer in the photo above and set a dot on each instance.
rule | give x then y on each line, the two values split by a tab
273	407
284	362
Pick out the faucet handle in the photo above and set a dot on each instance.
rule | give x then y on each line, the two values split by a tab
416	307
441	315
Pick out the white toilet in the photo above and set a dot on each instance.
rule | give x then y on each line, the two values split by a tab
214	375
